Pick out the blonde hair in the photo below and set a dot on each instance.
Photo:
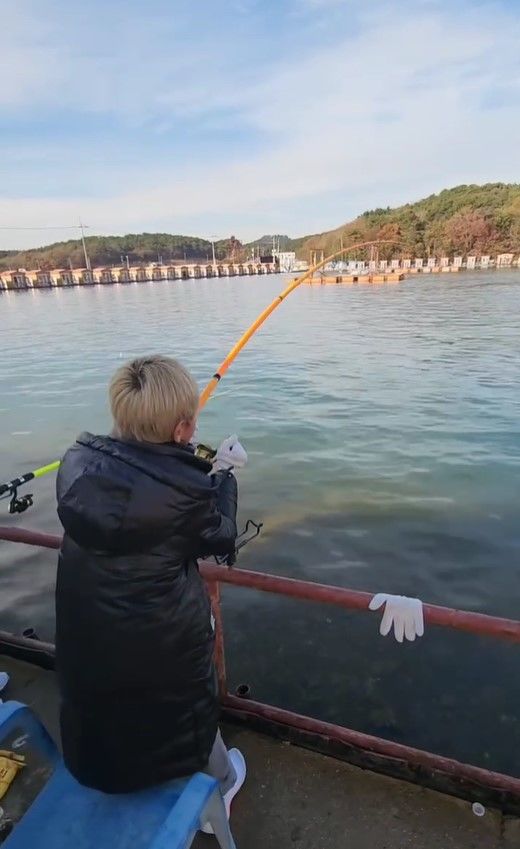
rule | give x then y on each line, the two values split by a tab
150	396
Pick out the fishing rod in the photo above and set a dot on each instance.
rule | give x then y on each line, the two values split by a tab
264	315
9	489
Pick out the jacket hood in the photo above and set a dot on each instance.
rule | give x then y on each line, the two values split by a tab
121	496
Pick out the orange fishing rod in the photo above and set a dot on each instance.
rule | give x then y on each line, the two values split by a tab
10	488
264	315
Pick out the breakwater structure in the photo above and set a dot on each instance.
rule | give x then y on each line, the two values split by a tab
349	271
21	278
416	265
375	270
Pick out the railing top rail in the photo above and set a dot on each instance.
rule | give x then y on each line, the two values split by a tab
461	620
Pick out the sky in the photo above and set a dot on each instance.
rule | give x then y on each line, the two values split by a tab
246	117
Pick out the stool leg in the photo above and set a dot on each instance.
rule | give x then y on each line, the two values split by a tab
215	814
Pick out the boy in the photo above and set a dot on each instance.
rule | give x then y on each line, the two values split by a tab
134	632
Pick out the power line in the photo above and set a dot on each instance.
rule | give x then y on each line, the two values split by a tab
66	227
81	227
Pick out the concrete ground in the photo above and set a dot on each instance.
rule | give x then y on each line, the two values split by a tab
301	800
296	799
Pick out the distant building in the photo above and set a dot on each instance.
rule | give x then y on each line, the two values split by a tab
471	262
484	261
445	261
394	263
407	263
432	262
418	262
286	260
504	260
457	261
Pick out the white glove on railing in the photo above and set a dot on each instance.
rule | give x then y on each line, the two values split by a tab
405	614
230	455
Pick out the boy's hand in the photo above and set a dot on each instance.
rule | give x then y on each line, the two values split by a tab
230	455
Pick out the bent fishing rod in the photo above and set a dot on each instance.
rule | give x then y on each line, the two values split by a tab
10	488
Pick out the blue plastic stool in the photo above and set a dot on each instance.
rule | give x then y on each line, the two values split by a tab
66	815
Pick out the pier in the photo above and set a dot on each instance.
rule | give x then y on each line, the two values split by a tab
21	279
375	270
416	265
327	279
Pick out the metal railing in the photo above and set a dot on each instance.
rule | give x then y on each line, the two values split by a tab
363	749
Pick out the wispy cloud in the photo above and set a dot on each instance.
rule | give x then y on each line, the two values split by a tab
251	120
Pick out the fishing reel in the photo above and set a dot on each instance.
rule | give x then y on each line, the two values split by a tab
204	452
20	505
16	505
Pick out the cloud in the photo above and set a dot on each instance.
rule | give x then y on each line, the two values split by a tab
384	111
27	67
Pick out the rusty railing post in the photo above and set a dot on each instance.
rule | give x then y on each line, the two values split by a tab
220	656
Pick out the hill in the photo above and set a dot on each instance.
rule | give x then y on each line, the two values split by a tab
463	220
112	250
283	243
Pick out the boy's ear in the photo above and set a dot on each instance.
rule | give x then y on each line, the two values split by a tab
182	431
177	432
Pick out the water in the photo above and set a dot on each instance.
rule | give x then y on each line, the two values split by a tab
382	427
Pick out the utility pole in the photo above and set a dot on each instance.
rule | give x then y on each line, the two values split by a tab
85	254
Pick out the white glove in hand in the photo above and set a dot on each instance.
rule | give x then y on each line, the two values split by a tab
405	614
230	455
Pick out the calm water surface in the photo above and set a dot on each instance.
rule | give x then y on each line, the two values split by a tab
382	424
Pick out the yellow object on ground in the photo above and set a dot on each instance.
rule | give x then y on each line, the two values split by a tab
10	766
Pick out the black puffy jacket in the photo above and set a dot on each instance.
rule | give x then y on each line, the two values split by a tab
134	639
